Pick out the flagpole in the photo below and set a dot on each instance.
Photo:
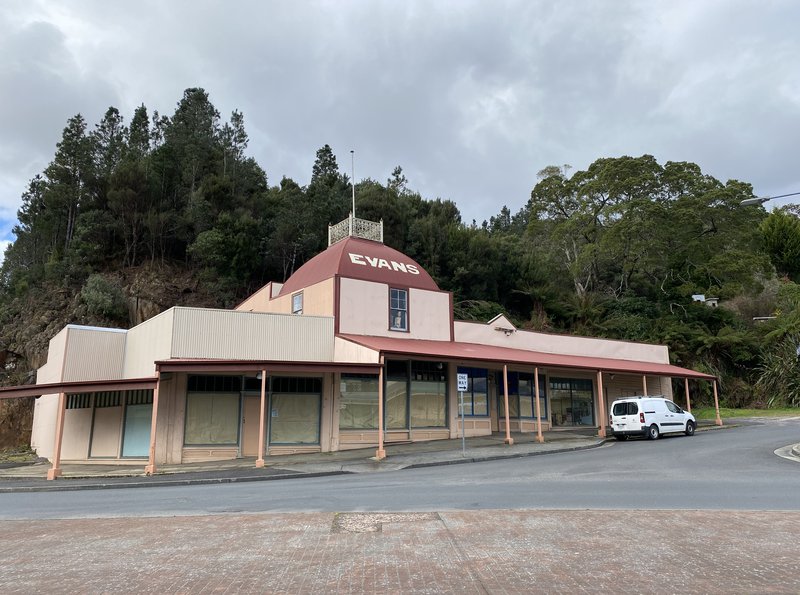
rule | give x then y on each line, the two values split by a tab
353	180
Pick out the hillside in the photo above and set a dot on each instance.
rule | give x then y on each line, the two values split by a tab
131	218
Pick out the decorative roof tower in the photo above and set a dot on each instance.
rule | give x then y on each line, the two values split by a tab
353	227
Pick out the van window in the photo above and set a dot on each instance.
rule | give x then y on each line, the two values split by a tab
626	408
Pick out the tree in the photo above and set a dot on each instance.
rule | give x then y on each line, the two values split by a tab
781	236
192	134
68	176
128	200
139	134
108	143
234	141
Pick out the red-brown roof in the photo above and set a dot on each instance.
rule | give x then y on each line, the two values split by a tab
506	355
357	258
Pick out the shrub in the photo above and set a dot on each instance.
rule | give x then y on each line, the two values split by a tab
779	379
103	298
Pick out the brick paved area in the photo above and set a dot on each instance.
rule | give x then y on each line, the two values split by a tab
449	552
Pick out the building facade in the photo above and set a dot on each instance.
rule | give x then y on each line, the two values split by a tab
358	348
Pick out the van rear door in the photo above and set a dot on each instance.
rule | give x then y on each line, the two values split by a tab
624	416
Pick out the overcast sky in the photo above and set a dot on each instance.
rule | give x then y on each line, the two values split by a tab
472	99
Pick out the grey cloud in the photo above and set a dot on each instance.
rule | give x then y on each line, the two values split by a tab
472	99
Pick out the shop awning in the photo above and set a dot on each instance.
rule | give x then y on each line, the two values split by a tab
244	366
455	350
86	386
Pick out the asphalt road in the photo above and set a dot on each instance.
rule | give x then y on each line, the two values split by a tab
732	469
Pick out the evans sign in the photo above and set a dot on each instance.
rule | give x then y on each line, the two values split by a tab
382	263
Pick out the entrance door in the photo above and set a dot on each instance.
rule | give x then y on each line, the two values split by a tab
251	420
136	439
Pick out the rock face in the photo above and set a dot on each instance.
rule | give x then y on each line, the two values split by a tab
28	322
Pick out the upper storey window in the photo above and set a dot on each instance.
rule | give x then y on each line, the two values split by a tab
398	309
297	303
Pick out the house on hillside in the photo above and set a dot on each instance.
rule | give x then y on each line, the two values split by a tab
358	348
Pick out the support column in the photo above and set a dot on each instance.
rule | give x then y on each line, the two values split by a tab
539	437
262	420
380	454
688	401
509	440
55	470
718	421
601	403
150	469
644	385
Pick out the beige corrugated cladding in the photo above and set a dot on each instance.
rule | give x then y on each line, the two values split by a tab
107	349
148	342
229	334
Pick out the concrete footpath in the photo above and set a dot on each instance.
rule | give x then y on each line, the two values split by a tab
399	456
96	475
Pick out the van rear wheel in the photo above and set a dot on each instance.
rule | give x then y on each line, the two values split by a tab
689	428
653	433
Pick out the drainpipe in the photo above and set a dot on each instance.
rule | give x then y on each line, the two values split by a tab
644	385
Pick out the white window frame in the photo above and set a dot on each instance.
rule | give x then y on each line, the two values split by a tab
295	300
392	310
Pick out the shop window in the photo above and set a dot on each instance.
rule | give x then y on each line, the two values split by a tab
140	397
416	395
212	418
398	309
291	384
476	397
358	407
295	406
297	303
396	406
428	394
79	401
108	399
218	384
572	402
520	396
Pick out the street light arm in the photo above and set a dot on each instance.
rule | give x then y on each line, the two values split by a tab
755	201
761	200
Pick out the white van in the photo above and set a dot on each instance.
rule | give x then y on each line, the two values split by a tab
649	416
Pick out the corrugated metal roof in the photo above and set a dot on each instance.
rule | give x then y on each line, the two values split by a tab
505	355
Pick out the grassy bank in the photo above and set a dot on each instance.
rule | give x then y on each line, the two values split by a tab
724	412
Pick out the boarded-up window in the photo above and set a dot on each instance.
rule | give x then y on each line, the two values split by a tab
358	408
212	418
294	419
